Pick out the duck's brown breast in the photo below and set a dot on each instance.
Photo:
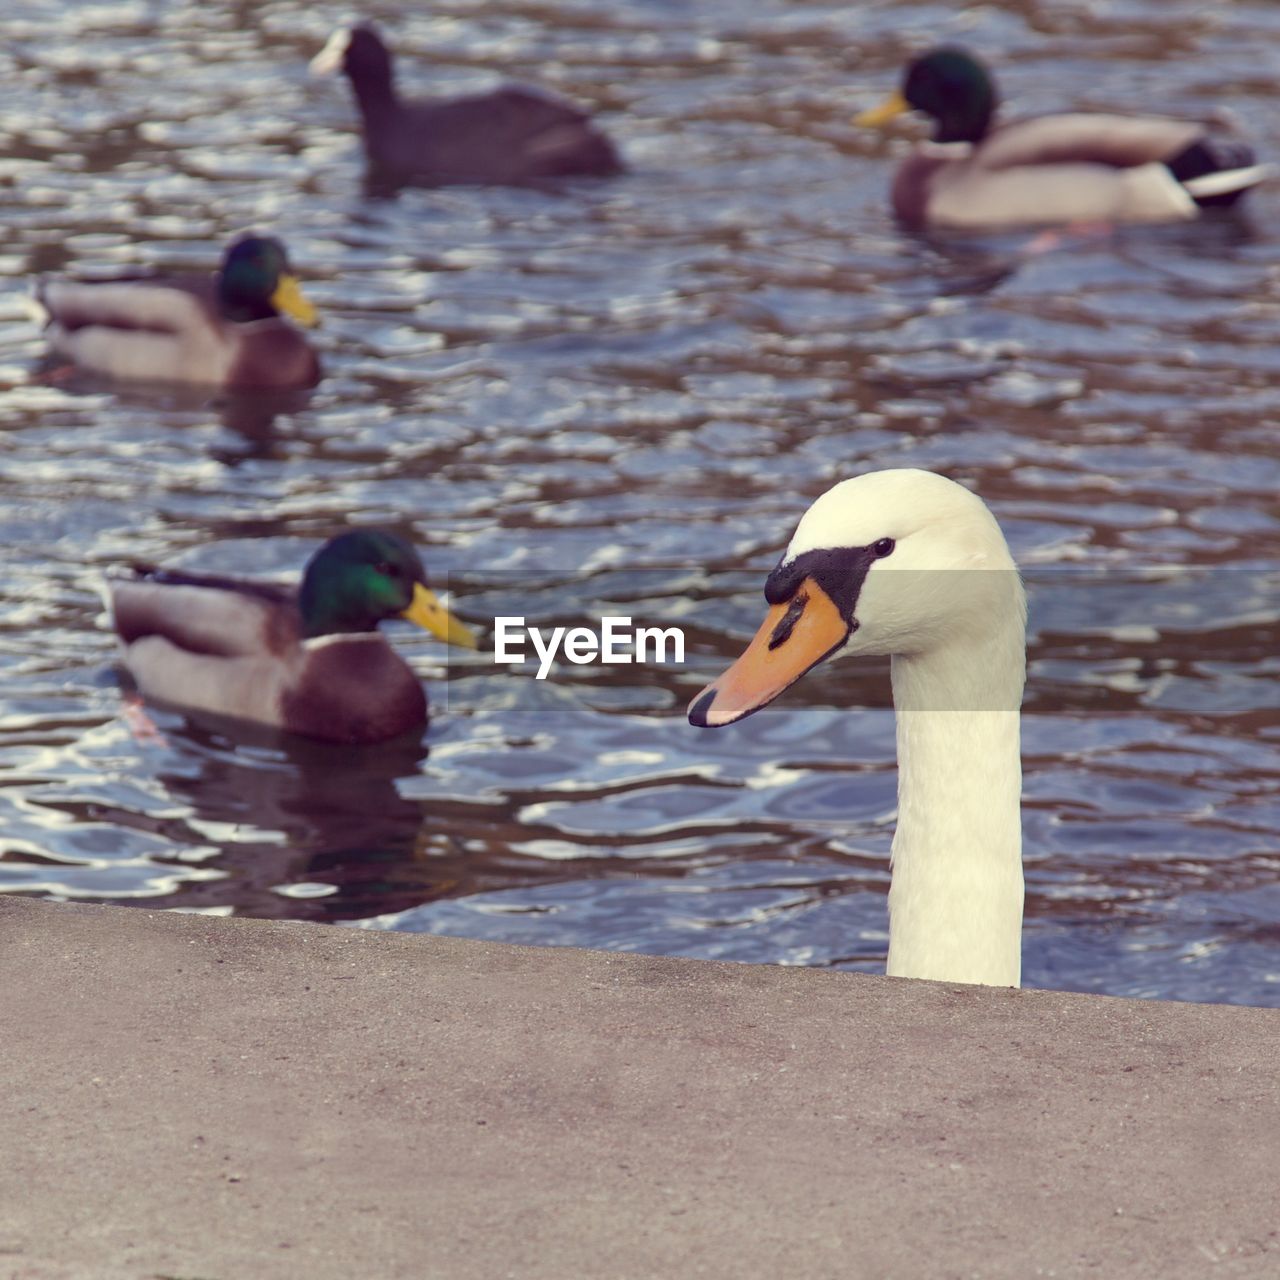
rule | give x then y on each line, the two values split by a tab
353	689
272	355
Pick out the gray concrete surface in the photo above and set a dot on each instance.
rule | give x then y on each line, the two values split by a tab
213	1099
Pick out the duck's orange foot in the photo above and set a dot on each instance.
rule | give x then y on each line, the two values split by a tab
59	374
140	724
1048	241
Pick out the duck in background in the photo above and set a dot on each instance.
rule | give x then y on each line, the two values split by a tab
308	660
511	135
1055	169
222	330
913	565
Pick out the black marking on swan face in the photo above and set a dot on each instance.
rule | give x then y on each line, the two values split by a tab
698	712
839	571
787	623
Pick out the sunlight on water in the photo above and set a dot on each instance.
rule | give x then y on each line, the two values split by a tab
619	397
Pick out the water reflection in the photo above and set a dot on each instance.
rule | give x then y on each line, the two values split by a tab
291	817
254	419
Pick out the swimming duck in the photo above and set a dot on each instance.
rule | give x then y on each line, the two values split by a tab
1080	167
913	565
224	330
511	135
309	661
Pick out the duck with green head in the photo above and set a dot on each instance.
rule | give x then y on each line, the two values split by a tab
228	329
309	661
1056	169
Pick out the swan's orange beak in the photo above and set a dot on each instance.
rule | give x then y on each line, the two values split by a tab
794	637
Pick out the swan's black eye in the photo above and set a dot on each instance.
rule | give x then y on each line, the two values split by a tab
883	548
387	569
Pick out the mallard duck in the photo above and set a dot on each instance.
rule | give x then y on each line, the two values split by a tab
309	661
224	330
911	564
511	135
1049	169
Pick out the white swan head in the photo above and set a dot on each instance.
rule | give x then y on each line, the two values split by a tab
880	564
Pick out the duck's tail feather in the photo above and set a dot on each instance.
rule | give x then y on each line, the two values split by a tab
1228	184
1216	170
33	304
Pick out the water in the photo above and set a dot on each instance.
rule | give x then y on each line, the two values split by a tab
628	392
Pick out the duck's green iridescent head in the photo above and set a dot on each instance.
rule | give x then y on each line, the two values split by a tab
360	578
255	283
951	87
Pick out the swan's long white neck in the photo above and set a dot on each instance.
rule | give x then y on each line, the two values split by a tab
955	903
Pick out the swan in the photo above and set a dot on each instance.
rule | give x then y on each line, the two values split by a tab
910	564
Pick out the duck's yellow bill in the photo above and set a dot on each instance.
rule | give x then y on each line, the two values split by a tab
426	610
289	299
894	105
794	637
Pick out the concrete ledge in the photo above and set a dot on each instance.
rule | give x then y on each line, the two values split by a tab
196	1097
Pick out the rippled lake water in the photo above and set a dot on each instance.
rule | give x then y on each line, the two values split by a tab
625	394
